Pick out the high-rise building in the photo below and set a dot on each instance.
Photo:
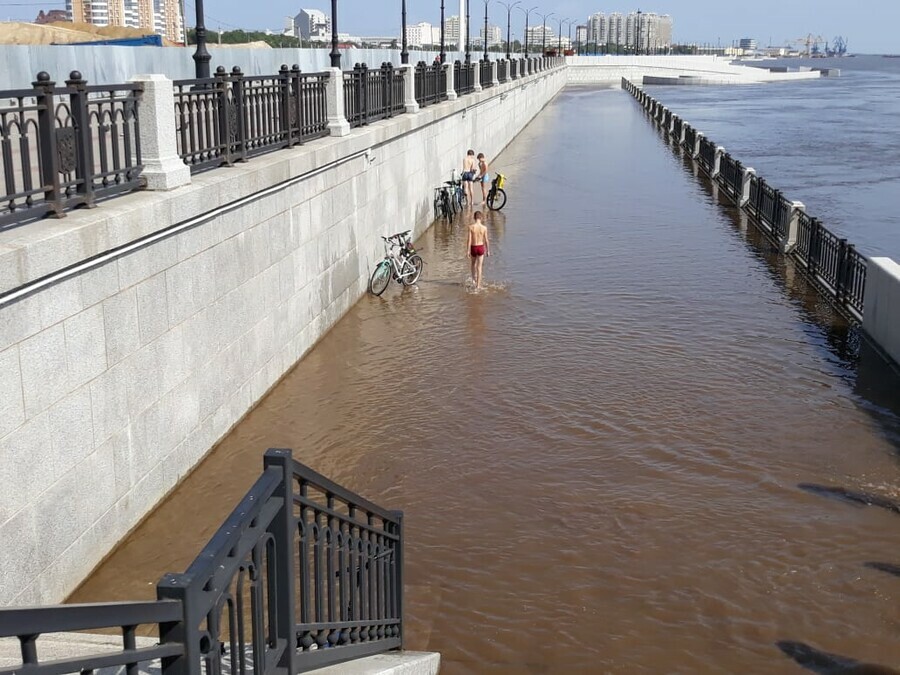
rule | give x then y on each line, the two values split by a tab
422	34
541	35
494	36
451	30
312	25
156	16
645	31
748	44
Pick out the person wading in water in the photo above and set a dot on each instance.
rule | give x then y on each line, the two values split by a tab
477	247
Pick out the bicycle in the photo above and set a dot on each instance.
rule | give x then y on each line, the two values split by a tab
401	263
496	197
443	203
458	193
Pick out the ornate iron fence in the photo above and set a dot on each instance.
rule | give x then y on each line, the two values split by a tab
513	69
690	137
430	83
231	117
769	207
731	175
487	73
502	70
302	574
63	147
372	95
707	157
464	77
832	261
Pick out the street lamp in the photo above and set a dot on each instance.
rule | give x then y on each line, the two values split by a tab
544	33
335	54
559	44
468	44
509	8
485	38
201	56
404	54
570	32
637	38
443	53
526	12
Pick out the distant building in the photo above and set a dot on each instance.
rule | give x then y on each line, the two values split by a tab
422	34
312	25
451	30
748	44
645	31
539	35
494	36
580	35
52	16
154	16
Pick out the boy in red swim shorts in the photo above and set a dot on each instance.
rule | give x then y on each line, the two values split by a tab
477	246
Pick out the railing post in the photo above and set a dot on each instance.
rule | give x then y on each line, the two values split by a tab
495	73
695	151
749	174
163	168
840	277
84	147
398	585
451	81
299	106
284	86
282	530
240	116
717	162
185	632
476	75
49	154
361	79
812	261
792	232
410	104
386	80
334	103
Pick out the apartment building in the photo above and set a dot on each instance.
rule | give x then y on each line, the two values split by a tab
153	16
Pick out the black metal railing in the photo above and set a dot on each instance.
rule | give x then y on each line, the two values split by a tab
487	73
430	83
64	147
502	71
302	574
836	267
371	95
232	117
464	77
732	175
513	69
707	155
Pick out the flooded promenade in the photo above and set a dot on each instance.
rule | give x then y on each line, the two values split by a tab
599	455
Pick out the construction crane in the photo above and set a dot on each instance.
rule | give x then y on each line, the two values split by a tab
838	47
811	42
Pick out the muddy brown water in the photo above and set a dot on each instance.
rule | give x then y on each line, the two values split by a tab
599	455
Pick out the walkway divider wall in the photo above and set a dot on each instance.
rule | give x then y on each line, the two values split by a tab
837	269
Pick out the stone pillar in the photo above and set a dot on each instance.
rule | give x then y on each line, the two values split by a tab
409	89
476	77
717	164
495	74
745	187
334	103
451	82
163	168
881	310
793	228
695	151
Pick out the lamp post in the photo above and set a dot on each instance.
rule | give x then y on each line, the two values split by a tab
201	56
509	8
404	54
559	43
443	53
485	38
335	54
544	33
570	32
468	44
526	12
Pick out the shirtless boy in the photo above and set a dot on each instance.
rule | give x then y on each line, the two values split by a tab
477	246
483	176
470	168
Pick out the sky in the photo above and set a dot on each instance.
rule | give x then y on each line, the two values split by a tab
869	26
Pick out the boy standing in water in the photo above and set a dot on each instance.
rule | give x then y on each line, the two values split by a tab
477	246
483	177
470	168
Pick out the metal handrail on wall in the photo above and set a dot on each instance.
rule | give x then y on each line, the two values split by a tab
64	147
835	266
304	573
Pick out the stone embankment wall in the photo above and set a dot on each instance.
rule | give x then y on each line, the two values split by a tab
609	70
172	313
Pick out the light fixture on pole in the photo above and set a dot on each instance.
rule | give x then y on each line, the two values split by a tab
509	8
544	33
484	39
404	53
526	12
559	43
468	43
335	54
201	56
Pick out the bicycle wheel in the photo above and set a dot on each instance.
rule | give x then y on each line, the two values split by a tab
438	207
414	263
381	277
496	199
446	207
462	197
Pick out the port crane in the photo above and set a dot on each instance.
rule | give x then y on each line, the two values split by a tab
811	42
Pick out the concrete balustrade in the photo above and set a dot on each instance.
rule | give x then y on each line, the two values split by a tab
135	335
881	316
749	175
717	162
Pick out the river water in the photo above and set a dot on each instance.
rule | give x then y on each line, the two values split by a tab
829	143
599	455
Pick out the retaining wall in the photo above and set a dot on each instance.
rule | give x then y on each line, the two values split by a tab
881	318
609	70
172	313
